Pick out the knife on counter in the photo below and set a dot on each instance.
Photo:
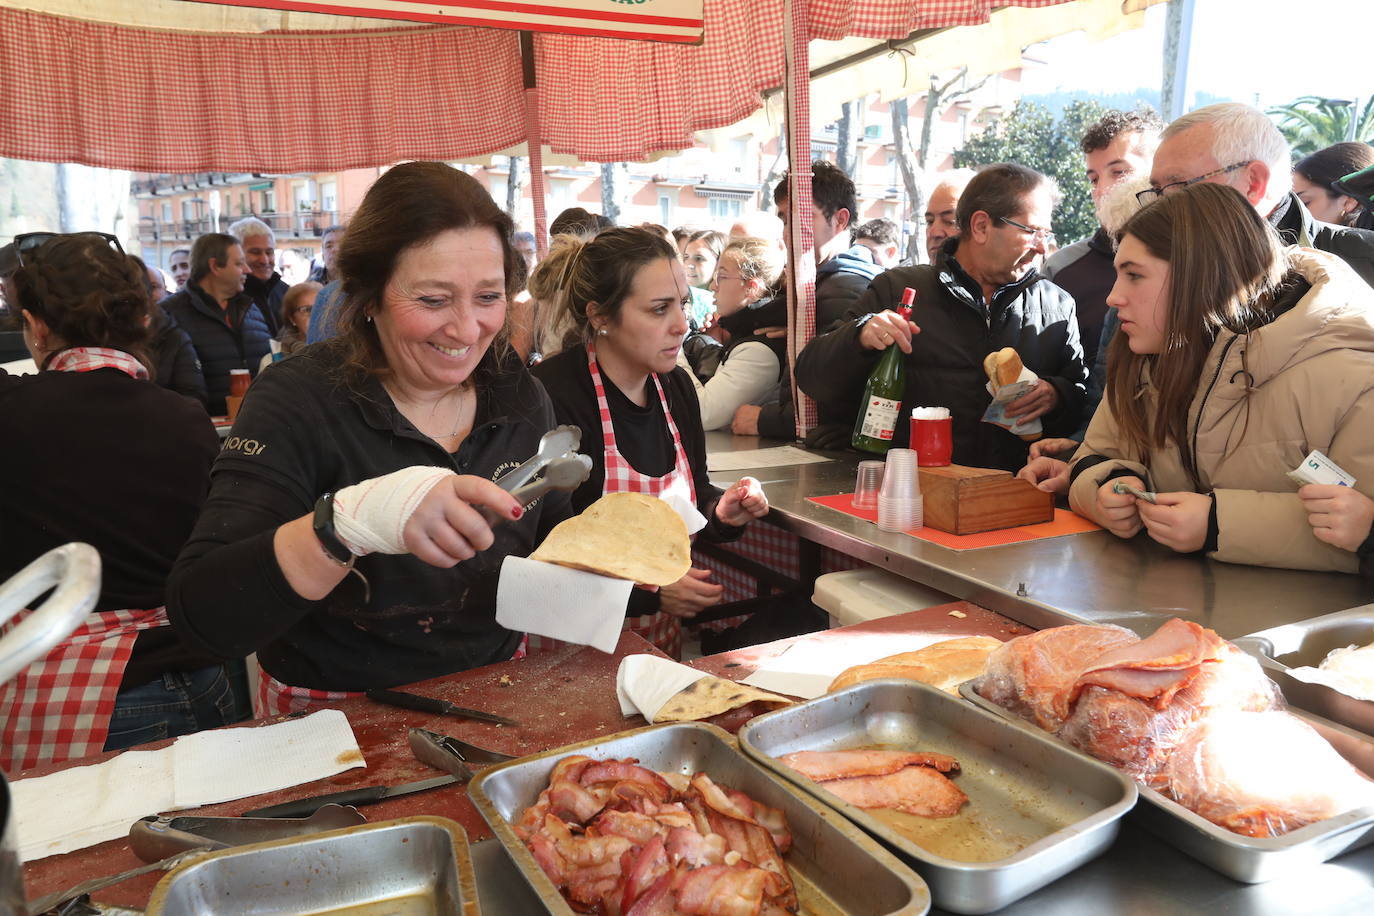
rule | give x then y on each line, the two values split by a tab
434	705
367	795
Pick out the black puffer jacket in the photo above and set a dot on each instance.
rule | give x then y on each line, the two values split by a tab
267	295
1297	226
174	357
239	344
945	368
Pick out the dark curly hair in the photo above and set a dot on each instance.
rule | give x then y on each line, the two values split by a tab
1115	123
87	293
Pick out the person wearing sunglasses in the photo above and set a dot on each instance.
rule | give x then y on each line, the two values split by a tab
1234	144
95	451
983	293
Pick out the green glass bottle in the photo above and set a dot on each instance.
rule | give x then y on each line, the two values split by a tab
882	401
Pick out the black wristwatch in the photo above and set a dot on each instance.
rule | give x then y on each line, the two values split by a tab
324	530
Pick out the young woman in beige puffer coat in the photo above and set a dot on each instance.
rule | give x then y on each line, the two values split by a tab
1236	358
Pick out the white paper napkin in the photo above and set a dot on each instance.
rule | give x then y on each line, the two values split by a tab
561	603
684	507
996	413
82	806
645	682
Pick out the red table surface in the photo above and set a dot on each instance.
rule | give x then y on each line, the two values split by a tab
559	698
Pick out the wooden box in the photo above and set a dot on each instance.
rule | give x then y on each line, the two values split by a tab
963	500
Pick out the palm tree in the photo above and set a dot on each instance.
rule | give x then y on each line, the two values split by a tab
1311	122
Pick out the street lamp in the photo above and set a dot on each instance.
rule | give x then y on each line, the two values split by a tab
1354	106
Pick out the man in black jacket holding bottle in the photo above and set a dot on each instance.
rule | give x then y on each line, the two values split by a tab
982	293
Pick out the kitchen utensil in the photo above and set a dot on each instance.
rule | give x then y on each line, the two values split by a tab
49	901
72	572
418	866
433	705
441	751
1036	811
555	443
154	837
565	473
367	795
836	868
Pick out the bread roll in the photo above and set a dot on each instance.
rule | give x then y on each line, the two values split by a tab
1003	367
945	665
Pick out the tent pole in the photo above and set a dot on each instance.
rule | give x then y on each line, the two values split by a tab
801	262
534	142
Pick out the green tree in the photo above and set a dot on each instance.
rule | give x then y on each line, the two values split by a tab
1311	123
1032	136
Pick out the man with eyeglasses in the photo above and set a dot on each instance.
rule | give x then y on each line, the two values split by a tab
983	293
1235	144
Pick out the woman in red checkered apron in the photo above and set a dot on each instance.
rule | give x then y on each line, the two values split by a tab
623	296
96	452
354	533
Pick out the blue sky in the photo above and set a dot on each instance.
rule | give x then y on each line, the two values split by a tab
1237	52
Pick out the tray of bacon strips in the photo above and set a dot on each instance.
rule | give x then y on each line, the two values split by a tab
1226	773
673	819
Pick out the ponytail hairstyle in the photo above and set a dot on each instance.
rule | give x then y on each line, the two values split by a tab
88	294
1225	267
599	272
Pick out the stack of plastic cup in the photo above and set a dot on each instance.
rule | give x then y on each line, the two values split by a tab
899	500
867	484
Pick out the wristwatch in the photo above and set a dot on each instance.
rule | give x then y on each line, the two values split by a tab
324	530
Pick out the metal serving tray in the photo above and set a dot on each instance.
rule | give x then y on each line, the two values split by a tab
835	867
1243	858
414	866
1036	811
1306	643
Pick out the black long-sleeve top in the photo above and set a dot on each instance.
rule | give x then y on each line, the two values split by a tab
301	433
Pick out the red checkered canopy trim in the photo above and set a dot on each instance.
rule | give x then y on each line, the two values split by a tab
169	101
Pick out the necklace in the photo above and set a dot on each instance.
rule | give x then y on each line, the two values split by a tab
458	421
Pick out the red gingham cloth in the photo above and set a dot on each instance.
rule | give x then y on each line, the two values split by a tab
59	707
83	91
663	630
88	359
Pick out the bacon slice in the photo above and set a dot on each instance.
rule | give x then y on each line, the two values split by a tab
721	890
915	790
823	765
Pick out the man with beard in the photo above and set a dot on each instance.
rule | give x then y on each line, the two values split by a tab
982	294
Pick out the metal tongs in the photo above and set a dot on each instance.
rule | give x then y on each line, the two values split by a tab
556	443
447	753
563	467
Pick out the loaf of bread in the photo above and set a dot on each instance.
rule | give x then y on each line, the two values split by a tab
1003	367
945	665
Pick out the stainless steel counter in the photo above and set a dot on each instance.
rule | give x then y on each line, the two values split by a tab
1093	578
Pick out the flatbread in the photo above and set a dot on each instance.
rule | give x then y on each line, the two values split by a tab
711	696
623	535
945	665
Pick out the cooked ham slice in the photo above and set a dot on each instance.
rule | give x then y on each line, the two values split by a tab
1033	675
1155	668
916	790
823	765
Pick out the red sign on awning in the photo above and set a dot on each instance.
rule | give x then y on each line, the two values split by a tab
646	20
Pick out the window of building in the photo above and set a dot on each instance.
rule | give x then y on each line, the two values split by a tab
665	210
269	200
724	209
329	195
500	187
166	211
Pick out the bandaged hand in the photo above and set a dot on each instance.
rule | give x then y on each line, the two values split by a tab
426	511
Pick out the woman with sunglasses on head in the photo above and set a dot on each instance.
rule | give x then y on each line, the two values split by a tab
1235	359
354	533
626	293
95	451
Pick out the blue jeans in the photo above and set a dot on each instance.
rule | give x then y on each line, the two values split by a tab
178	703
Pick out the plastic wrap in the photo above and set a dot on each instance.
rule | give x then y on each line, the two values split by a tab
1262	774
1033	675
1133	735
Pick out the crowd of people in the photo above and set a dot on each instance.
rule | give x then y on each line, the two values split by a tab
349	533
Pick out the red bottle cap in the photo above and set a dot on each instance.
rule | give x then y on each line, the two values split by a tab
908	300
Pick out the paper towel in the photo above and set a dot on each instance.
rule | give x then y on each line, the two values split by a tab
645	682
562	603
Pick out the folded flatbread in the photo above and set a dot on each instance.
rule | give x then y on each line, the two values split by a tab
623	535
712	696
945	665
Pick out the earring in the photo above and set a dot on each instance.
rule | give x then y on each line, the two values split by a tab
602	331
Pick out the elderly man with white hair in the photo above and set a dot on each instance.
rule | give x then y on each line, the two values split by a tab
263	284
1235	144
